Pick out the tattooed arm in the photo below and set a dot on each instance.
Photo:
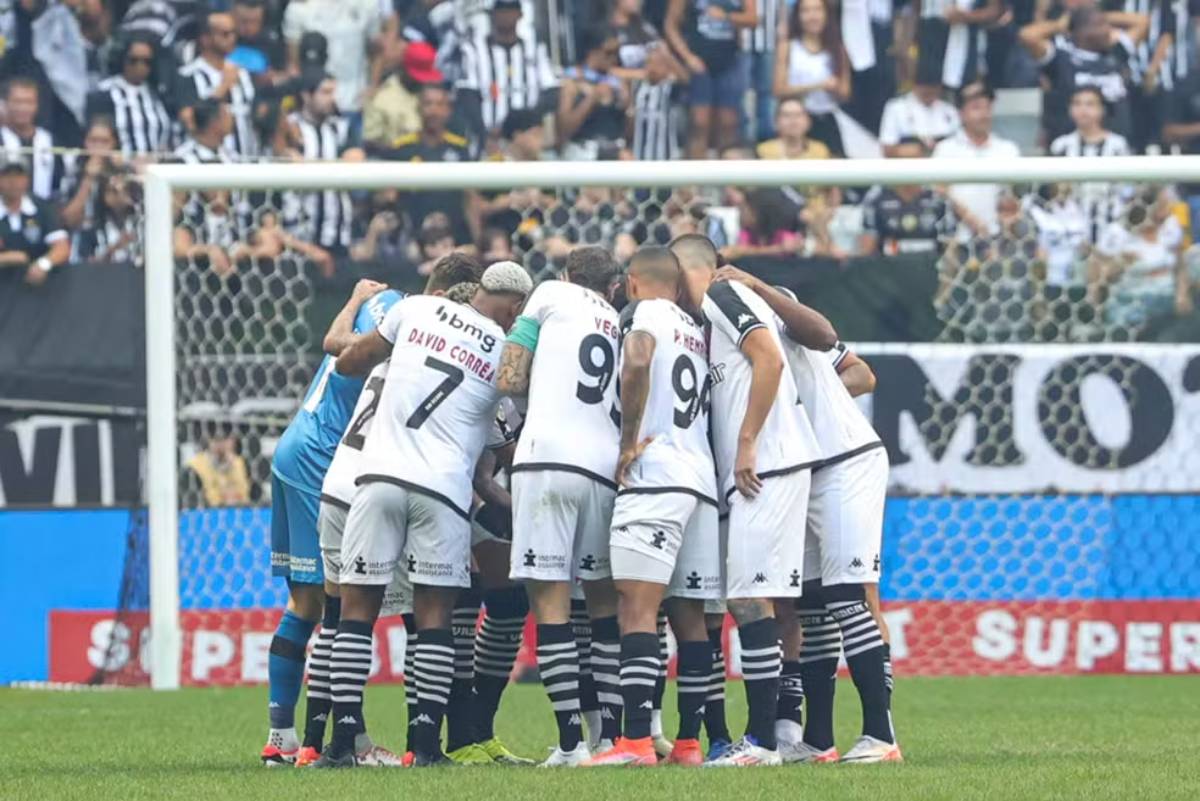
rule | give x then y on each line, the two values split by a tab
515	363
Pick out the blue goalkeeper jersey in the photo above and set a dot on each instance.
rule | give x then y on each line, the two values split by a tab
306	448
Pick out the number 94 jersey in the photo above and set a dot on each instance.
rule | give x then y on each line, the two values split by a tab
438	401
572	420
679	456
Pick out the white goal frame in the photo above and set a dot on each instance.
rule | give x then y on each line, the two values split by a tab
162	180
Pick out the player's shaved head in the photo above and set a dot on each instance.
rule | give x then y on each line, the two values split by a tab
654	272
695	251
453	268
592	267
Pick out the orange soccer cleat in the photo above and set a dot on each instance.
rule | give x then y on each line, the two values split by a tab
639	752
686	752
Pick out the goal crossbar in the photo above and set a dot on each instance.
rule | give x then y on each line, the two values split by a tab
162	180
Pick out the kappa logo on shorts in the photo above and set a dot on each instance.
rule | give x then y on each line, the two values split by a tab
658	538
412	563
795	577
588	562
530	558
760	578
360	566
693	580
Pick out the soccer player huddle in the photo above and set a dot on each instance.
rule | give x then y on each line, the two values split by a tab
676	439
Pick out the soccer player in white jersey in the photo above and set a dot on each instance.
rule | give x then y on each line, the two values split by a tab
336	492
562	353
665	540
411	508
839	608
765	450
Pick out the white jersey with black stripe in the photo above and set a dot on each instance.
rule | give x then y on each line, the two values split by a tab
572	419
439	399
841	428
338	487
675	420
786	442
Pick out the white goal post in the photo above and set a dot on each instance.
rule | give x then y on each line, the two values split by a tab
162	181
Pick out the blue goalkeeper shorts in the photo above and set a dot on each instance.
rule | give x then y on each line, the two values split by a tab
295	545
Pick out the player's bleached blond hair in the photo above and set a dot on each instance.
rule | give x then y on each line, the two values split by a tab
508	277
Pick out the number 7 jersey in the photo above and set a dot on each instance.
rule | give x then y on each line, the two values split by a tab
572	419
438	401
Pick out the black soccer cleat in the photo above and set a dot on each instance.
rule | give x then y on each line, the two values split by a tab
434	760
332	759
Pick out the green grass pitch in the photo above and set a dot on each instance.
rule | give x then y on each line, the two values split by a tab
1087	738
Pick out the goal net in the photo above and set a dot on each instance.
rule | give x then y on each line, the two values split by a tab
1041	436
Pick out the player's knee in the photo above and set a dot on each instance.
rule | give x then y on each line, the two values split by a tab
601	598
306	601
687	618
749	610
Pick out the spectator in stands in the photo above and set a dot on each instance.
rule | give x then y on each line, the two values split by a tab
131	101
975	140
873	48
95	19
383	232
592	102
221	472
920	114
948	39
758	60
434	143
48	48
768	223
704	33
1182	130
259	49
496	245
32	241
114	232
906	219
793	124
636	37
1101	201
1139	261
21	137
811	65
206	231
352	29
323	135
392	110
211	125
81	187
436	240
523	138
503	71
436	23
655	132
211	76
1063	234
1086	48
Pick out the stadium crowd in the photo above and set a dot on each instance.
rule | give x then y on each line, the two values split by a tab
94	90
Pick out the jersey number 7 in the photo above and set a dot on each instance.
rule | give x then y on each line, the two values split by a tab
454	377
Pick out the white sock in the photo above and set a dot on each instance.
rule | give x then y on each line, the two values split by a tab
591	723
284	739
788	731
656	729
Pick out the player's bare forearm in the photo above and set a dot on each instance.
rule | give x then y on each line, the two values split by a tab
341	331
485	484
638	351
804	324
516	362
766	369
857	376
363	354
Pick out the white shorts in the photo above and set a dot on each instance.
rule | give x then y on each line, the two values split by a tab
718	606
388	522
845	520
668	538
331	524
560	526
766	538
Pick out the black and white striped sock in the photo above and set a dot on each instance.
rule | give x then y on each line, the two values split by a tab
888	675
664	656
319	701
410	677
789	715
819	651
581	627
692	685
435	674
350	664
714	703
460	716
639	674
558	665
863	645
496	647
606	671
760	672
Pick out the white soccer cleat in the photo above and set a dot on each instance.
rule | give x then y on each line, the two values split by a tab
282	748
803	753
745	753
567	759
592	726
869	750
662	746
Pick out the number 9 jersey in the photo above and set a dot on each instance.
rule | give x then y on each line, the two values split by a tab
438	399
572	422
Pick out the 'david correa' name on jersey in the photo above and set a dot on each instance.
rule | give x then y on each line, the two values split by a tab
457	353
